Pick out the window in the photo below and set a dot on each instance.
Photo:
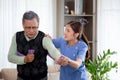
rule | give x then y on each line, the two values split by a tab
108	30
11	12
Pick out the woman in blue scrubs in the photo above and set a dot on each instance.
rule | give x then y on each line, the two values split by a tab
74	46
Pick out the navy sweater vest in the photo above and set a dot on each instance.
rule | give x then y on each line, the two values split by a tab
37	69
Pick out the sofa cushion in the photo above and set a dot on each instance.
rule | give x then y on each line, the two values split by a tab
9	74
53	72
53	76
53	68
0	75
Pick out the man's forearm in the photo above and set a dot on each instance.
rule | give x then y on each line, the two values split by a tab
16	59
12	55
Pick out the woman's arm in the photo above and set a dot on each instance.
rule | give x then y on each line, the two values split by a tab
67	61
75	64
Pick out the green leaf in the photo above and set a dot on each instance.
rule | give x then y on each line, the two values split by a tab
101	65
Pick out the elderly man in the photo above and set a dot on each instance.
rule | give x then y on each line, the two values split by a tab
29	49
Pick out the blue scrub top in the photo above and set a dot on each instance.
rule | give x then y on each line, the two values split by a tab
73	52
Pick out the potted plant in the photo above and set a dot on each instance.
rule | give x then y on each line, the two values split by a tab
101	65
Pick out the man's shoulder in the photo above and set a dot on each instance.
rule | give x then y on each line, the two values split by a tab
41	34
46	38
19	31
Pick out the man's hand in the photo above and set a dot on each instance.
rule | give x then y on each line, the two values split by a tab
29	58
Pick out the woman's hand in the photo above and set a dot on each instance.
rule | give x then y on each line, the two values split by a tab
47	35
63	60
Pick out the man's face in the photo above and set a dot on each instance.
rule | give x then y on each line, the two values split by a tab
30	27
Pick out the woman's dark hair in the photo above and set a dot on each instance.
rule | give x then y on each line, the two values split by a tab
78	28
30	15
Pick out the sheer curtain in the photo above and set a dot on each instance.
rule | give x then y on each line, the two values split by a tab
11	12
109	31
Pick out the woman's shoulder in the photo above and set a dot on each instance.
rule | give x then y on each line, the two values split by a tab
61	38
82	43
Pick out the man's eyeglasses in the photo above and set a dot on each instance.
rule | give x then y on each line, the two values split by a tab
29	28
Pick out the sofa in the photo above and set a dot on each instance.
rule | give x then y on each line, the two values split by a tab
11	73
53	73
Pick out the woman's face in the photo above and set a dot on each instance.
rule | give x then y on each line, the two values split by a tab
69	34
30	27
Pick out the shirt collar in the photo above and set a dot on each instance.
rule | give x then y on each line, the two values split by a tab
28	39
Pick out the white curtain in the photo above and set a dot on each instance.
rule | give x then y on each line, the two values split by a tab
11	12
109	31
